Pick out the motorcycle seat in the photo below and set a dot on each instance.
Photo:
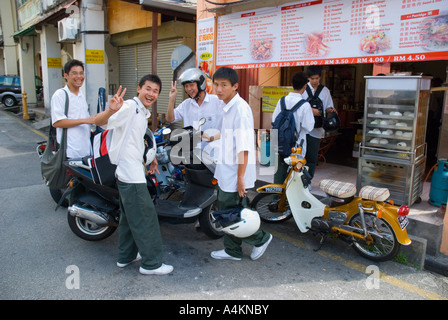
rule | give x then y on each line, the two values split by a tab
337	188
374	193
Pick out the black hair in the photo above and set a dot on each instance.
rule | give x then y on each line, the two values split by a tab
313	70
299	79
226	73
72	63
153	78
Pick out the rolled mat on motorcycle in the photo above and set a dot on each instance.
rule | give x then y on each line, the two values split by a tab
373	225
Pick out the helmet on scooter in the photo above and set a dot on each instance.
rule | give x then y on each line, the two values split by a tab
246	226
150	147
194	75
331	122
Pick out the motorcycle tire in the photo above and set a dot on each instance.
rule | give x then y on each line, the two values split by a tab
88	230
206	222
267	207
56	195
383	248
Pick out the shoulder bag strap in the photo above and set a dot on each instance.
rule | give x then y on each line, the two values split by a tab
128	132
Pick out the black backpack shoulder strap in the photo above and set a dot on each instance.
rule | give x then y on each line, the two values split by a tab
298	105
319	89
282	103
310	93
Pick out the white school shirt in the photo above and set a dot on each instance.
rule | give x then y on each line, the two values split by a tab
190	112
130	168
78	137
303	117
327	101
237	134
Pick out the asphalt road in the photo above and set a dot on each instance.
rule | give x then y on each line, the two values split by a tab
42	259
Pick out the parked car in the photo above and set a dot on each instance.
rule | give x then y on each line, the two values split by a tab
11	92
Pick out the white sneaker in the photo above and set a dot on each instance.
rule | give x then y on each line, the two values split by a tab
257	252
122	265
223	255
163	269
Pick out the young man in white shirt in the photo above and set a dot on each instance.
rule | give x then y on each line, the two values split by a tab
236	167
313	138
303	117
78	119
199	105
139	230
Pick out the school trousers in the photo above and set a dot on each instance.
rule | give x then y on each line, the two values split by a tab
138	230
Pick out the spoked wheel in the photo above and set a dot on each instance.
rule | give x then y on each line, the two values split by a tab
206	222
267	205
383	245
88	230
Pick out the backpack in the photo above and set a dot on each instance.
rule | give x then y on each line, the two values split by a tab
316	103
286	126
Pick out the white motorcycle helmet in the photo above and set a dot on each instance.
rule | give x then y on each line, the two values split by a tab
150	147
194	75
247	226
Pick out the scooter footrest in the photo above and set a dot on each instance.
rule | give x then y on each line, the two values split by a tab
374	193
337	188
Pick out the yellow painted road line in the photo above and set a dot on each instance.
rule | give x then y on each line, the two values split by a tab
360	267
23	124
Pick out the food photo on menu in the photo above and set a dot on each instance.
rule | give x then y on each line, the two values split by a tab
375	42
316	44
434	35
261	49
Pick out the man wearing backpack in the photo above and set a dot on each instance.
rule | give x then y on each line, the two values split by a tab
320	99
303	123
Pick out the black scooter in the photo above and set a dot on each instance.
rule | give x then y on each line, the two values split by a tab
94	209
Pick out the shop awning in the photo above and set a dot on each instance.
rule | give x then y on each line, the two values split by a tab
164	6
30	31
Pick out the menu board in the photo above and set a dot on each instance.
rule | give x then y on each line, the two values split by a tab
325	32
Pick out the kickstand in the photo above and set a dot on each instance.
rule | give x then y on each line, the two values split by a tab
322	240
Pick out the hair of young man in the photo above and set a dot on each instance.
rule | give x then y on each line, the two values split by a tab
226	73
313	70
299	79
153	78
72	63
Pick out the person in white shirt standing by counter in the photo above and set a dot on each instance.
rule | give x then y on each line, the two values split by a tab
320	104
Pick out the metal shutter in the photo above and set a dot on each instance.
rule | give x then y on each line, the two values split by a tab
128	76
135	62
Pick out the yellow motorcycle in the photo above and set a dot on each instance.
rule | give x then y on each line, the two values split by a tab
375	226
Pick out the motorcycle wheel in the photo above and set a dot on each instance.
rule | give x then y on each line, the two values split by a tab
88	230
206	222
383	248
267	207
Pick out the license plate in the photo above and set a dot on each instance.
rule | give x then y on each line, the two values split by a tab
403	221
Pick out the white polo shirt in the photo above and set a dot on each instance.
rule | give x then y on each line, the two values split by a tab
130	168
327	101
190	112
237	135
303	117
78	137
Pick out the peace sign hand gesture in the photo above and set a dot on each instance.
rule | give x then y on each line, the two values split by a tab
117	100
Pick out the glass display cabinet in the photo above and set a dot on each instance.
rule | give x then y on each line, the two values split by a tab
393	149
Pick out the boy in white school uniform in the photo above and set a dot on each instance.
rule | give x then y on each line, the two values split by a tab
236	167
139	230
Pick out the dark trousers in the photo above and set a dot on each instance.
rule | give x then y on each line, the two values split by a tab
139	229
232	245
312	153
